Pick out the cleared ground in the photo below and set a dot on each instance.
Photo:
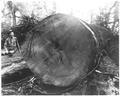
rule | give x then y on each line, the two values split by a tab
104	81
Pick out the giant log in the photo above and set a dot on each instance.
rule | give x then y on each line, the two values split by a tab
112	49
61	50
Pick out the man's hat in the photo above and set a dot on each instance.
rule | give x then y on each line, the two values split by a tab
12	33
10	30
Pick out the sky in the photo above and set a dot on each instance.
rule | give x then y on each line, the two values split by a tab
82	8
79	8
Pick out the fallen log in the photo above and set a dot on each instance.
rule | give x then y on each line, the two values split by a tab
61	50
14	72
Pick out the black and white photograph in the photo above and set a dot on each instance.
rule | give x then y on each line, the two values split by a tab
59	47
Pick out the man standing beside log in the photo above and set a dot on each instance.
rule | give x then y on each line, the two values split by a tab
10	44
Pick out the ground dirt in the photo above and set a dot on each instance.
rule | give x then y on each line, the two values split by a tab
103	81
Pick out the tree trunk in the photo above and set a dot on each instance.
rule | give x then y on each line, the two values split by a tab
13	16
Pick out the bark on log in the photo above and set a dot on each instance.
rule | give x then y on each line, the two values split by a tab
13	67
113	49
